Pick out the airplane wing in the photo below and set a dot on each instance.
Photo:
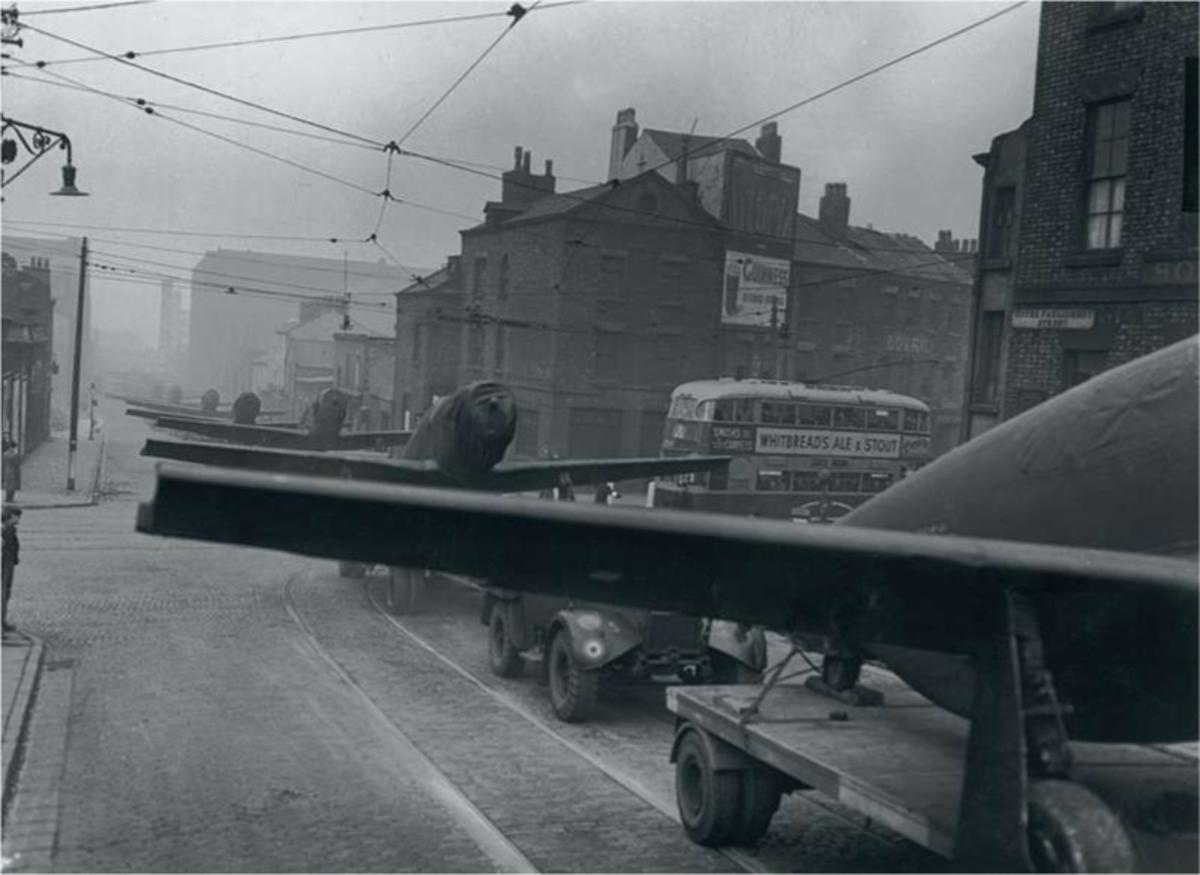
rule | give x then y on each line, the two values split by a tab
248	435
1119	629
369	440
505	477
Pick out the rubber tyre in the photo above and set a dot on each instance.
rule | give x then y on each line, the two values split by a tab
404	589
506	661
354	570
760	794
1073	830
572	690
728	670
709	801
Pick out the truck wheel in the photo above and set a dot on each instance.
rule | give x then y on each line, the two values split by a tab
505	659
572	690
1072	830
727	670
709	801
352	569
760	800
404	589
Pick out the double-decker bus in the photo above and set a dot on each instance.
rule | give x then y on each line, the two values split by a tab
804	452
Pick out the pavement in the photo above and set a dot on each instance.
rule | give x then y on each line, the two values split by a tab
43	486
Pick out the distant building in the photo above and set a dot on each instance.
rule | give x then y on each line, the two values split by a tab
429	335
592	304
1089	219
62	256
228	332
27	311
876	309
364	365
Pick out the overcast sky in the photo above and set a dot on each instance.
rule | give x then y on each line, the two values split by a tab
902	139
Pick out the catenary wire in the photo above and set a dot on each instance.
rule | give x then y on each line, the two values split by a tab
86	8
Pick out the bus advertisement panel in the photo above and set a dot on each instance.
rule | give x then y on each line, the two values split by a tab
808	453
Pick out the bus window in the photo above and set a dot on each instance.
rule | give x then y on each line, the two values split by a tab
682	407
771	481
845	481
880	419
704	411
806	481
775	413
743	410
723	410
812	414
849	417
916	420
875	482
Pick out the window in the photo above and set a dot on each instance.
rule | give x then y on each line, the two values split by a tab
774	413
916	421
502	283
1000	222
845	481
1080	365
812	414
873	482
610	297
1191	143
771	481
880	419
806	481
501	349
1108	161
479	276
475	346
416	343
607	355
985	384
525	442
849	417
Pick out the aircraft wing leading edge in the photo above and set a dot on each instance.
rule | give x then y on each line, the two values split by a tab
505	477
1129	619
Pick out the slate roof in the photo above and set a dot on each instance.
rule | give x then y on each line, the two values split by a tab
868	249
671	142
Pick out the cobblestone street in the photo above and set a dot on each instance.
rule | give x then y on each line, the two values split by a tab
203	708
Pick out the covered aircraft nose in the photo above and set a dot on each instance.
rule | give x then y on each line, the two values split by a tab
494	409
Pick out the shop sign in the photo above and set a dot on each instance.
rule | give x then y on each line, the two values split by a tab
732	439
1044	318
821	442
755	290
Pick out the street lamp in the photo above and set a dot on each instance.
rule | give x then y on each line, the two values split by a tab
40	140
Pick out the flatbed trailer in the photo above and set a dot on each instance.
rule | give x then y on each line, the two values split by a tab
900	762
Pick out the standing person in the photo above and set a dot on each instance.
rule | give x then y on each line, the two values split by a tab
9	555
11	472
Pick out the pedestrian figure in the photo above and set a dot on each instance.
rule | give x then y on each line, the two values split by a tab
565	491
11	472
9	555
606	492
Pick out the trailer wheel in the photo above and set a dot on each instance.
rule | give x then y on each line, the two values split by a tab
505	659
1072	830
354	570
760	793
572	690
404	589
709	800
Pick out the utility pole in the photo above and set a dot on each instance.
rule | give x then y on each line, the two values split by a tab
74	438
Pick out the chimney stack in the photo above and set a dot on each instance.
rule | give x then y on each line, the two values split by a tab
834	211
519	187
769	144
624	135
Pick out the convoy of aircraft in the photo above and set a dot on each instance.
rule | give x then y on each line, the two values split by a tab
321	431
1040	580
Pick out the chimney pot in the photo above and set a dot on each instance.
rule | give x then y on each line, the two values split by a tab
528	156
549	167
517	158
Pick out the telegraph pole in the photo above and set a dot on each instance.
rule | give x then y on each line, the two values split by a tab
74	438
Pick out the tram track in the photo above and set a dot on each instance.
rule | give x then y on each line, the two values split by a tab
490	840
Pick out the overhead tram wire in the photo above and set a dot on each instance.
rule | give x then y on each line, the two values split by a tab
858	78
296	36
91	8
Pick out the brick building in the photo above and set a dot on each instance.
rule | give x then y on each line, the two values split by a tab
364	353
876	309
27	348
428	336
593	305
1102	206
